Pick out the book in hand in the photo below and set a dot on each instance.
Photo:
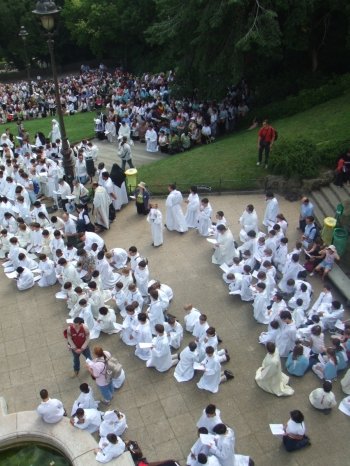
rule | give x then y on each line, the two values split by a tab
212	241
198	367
145	345
277	429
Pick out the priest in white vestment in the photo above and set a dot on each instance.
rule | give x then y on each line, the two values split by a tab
101	207
151	139
270	377
175	219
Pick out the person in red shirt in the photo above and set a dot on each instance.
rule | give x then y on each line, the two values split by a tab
266	137
78	337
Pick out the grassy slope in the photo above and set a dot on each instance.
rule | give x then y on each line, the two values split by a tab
78	126
234	158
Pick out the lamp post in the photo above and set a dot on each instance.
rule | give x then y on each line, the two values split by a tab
47	11
23	35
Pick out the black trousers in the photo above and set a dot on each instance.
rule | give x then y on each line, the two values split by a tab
264	146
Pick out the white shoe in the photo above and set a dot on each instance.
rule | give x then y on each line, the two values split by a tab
258	163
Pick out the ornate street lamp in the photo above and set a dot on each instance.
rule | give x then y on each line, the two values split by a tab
23	35
47	11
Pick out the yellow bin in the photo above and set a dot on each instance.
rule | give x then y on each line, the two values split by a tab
329	223
131	179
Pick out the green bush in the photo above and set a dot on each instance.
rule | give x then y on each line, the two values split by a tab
294	159
304	100
329	152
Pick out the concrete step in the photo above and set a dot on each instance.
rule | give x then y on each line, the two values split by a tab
331	199
341	281
318	201
342	194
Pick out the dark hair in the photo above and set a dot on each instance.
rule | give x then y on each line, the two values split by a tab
78	320
271	347
44	394
194	189
220	429
112	438
210	409
159	328
202	458
192	345
84	387
297	416
297	351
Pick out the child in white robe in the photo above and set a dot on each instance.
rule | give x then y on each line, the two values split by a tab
299	314
143	334
155	219
86	419
85	400
323	398
210	418
191	317
197	448
246	292
48	273
25	278
271	333
204	218
174	331
106	320
260	304
161	358
114	422
212	376
119	297
130	324
112	447
184	370
141	274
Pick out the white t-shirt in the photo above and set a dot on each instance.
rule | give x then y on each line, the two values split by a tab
51	411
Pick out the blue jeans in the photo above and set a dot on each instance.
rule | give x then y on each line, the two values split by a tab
106	391
76	358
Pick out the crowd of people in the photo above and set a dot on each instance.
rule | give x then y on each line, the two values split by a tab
101	287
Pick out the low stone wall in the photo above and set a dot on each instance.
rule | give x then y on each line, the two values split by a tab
78	446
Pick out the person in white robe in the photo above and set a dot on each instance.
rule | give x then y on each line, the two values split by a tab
130	324
197	448
269	377
101	207
261	302
117	257
86	419
248	221
345	382
155	311
114	422
132	294
95	298
323	398
25	278
112	447
108	277
204	217
224	446
55	132
48	272
141	275
291	270
321	303
331	313
246	291
86	314
212	376
225	249
124	131
286	335
175	219
191	317
85	400
174	331
155	219
110	130
106	320
271	211
143	334
151	139
192	212
184	370
119	297
161	358
211	416
69	273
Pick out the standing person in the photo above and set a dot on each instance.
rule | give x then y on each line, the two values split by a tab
204	217
175	219
101	204
110	130
306	210
78	336
271	211
270	377
294	437
98	370
225	249
124	153
55	132
151	139
192	211
50	409
248	221
266	138
155	219
118	178
142	196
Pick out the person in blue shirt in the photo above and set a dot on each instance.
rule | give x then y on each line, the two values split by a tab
310	232
297	364
327	371
306	209
341	354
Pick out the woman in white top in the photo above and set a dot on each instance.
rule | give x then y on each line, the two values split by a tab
294	437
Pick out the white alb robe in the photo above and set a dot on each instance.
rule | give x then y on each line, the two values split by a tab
160	354
192	211
155	219
210	379
184	370
175	218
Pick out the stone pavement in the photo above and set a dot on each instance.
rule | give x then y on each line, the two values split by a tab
162	413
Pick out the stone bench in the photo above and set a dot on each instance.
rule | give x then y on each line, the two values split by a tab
341	281
78	446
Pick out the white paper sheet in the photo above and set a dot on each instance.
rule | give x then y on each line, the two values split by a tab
198	367
235	292
277	429
212	241
145	345
224	267
344	406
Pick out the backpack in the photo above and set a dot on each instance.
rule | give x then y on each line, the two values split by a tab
113	369
36	187
317	232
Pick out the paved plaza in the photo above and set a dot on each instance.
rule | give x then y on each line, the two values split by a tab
162	413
